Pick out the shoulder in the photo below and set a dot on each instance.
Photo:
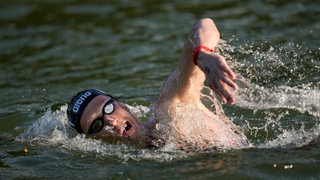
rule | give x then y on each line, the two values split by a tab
190	127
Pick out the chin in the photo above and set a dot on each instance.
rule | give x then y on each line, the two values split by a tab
133	132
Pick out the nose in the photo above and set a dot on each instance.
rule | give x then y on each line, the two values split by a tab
111	120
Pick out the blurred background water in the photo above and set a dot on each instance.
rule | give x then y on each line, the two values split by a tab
49	50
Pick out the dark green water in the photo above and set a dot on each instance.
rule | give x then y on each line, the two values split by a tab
49	50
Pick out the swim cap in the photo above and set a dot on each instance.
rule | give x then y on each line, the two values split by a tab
77	105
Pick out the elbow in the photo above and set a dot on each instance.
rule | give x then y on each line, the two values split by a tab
208	22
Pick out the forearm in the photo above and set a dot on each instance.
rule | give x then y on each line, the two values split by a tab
204	32
218	73
190	77
186	82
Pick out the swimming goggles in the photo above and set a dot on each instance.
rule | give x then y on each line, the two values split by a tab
98	123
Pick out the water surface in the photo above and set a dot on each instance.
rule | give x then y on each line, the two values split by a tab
49	50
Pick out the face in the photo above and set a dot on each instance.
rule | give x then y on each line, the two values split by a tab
106	117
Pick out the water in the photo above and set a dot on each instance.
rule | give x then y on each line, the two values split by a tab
49	50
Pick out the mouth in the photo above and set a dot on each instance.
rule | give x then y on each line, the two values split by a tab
127	128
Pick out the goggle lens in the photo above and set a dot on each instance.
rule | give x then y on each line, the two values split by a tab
109	107
98	124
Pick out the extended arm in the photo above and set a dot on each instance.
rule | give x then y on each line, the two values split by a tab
185	84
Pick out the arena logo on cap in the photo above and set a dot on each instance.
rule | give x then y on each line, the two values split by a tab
79	101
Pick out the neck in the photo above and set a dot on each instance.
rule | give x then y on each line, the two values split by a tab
147	136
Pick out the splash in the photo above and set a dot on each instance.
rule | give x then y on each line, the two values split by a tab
303	100
290	114
278	105
293	138
279	93
52	130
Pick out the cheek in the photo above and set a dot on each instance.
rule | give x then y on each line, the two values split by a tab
107	131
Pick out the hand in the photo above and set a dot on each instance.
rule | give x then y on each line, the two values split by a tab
218	74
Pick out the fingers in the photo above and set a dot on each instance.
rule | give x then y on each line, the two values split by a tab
217	91
225	67
220	77
227	76
223	71
227	79
222	89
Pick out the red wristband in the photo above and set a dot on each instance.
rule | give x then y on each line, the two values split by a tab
196	52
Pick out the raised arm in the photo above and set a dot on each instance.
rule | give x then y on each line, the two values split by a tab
218	73
198	63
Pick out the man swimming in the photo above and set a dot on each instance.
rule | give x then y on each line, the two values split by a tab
180	117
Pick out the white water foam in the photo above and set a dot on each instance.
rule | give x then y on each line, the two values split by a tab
52	129
293	138
301	99
260	63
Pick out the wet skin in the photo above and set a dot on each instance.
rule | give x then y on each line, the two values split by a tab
120	123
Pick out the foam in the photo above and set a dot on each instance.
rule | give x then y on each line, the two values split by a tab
52	129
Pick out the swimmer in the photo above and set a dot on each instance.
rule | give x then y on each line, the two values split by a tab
180	117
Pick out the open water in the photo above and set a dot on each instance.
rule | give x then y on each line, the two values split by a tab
49	50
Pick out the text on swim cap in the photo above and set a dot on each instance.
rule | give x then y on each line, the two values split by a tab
79	101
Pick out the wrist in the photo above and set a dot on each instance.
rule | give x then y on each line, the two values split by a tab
202	56
200	50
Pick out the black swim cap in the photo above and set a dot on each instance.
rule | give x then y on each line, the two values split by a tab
77	105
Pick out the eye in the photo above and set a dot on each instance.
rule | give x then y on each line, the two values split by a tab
109	107
96	126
